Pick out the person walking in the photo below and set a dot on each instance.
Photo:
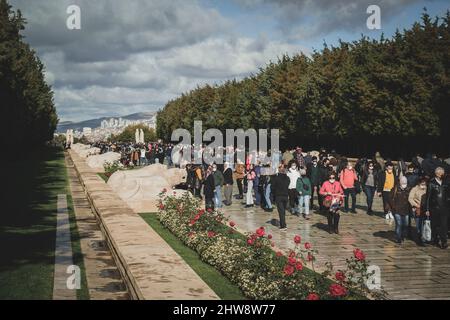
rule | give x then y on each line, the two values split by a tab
401	209
250	175
332	193
304	189
417	200
385	185
280	187
208	189
228	181
347	178
314	175
239	175
369	183
293	175
438	207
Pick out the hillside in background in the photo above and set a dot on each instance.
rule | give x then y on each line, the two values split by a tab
94	123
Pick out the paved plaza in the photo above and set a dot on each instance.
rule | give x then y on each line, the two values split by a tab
407	271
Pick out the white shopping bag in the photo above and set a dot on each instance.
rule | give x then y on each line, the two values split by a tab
426	231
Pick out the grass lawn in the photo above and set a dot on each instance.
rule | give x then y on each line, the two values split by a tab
212	277
28	224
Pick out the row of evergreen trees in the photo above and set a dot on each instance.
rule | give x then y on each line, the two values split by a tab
28	111
389	94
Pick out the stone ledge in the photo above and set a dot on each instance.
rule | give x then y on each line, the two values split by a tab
150	268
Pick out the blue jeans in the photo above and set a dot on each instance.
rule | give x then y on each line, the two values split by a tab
267	196
143	161
218	197
370	193
256	190
419	224
304	201
350	192
401	225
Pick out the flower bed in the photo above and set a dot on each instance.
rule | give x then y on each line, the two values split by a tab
250	262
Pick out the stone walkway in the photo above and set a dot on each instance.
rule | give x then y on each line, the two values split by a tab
103	278
63	252
151	269
407	271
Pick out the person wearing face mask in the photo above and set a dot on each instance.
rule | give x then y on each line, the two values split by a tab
369	182
385	186
412	176
401	209
293	175
417	199
348	178
332	193
304	190
314	174
438	207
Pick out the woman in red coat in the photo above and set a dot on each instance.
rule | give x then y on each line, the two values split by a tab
333	194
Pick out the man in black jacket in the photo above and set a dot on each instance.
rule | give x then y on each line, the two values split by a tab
280	186
208	189
438	207
228	182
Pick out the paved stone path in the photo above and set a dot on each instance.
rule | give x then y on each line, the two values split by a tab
63	252
103	278
407	271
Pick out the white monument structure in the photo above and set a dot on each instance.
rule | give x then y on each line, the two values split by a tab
139	188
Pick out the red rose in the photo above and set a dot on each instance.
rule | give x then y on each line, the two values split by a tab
192	222
209	210
197	216
292	254
292	261
307	245
161	206
299	266
279	254
190	234
260	232
340	276
359	255
272	244
164	190
297	239
200	212
250	241
310	256
211	234
174	193
232	224
269	236
288	270
336	290
313	296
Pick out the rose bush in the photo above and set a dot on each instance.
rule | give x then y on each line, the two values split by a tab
250	262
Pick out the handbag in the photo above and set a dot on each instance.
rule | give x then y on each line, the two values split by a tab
426	230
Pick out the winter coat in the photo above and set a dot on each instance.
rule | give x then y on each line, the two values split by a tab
228	176
280	184
400	202
333	188
304	187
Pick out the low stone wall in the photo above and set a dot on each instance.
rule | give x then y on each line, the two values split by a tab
149	267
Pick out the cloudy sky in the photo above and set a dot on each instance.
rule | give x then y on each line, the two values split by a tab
135	55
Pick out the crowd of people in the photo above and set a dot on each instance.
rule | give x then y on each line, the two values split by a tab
325	182
418	190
